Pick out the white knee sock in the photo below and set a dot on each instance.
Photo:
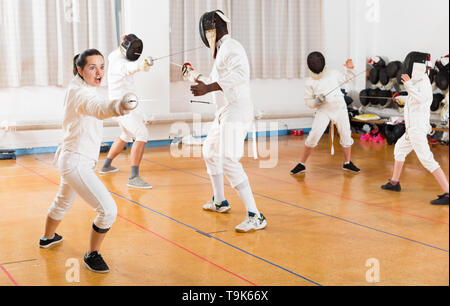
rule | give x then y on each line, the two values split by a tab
245	192
218	187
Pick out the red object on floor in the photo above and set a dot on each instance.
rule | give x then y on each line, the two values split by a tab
297	132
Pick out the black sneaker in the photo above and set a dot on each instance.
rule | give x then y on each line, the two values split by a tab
351	167
300	168
95	263
46	243
441	200
392	187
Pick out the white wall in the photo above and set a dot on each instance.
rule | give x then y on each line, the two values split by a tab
392	28
413	25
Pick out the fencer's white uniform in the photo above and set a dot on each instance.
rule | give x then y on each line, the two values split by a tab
121	81
224	145
84	110
334	108
417	122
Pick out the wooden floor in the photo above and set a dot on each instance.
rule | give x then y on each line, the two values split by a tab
323	226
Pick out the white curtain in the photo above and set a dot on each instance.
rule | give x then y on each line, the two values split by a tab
277	35
39	38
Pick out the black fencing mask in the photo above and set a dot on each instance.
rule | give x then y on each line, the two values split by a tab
316	62
209	23
131	47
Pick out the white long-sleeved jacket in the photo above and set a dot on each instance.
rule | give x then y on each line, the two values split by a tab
418	103
323	84
120	75
84	110
231	71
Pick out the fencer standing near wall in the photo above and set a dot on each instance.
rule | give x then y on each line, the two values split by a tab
417	122
224	145
123	65
322	94
84	110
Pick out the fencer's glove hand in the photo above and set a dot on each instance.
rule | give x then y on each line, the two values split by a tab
349	64
146	64
128	103
189	74
320	99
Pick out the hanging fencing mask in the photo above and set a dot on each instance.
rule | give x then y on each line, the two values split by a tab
209	23
442	80
131	47
316	62
437	100
416	64
392	68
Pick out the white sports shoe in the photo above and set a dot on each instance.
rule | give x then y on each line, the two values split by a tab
252	223
139	183
109	170
217	207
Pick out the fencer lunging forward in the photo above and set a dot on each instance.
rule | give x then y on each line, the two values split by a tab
123	65
224	146
84	110
417	121
322	94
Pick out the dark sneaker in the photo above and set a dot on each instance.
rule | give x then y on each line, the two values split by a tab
108	170
300	168
392	187
95	263
351	167
441	200
46	243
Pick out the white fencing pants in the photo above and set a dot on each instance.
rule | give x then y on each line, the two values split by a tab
224	148
322	120
78	177
416	140
133	128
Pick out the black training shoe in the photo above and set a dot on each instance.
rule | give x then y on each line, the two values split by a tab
46	243
300	168
95	263
351	167
441	200
392	187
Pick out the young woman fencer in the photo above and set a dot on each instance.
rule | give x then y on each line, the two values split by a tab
77	157
224	145
417	122
123	65
322	94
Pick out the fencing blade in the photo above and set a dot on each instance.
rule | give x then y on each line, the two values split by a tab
175	64
201	102
177	53
351	79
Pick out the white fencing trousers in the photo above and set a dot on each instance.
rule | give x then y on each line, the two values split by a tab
78	177
223	150
416	140
320	124
133	128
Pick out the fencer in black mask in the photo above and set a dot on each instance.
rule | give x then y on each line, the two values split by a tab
323	94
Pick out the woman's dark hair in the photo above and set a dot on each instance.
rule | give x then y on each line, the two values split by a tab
80	60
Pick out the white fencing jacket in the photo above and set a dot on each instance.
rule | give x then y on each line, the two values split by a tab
323	84
120	75
418	103
232	72
84	110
